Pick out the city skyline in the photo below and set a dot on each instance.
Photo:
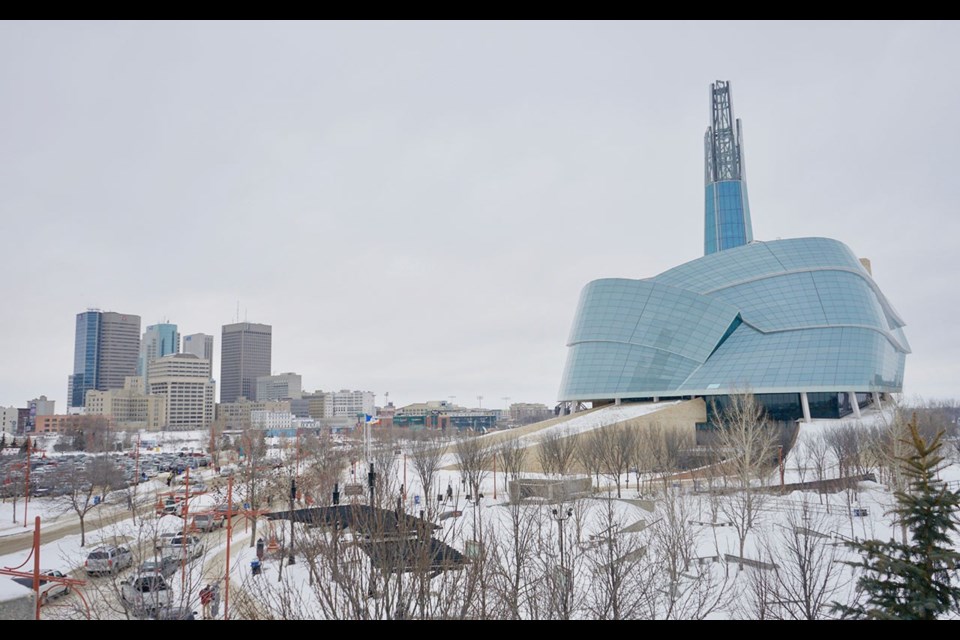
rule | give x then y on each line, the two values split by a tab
414	207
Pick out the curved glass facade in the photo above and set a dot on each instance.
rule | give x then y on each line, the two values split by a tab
775	317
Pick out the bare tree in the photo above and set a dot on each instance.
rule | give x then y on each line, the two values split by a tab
623	574
618	446
556	451
426	455
80	486
474	457
588	453
810	573
748	443
685	590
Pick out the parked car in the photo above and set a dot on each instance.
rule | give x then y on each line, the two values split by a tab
191	545
163	540
170	506
164	565
146	593
48	588
208	521
223	510
228	470
108	559
175	613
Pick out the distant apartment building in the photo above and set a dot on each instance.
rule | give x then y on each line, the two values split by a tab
106	350
70	423
37	407
279	387
8	420
245	352
199	344
129	408
158	340
183	380
528	412
236	415
300	407
271	419
340	404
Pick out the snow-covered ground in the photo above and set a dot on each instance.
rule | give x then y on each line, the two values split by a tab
860	514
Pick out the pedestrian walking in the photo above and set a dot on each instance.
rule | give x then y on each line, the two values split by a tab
215	601
206	597
260	549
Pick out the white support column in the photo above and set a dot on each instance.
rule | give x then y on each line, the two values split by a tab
617	402
806	406
876	401
854	403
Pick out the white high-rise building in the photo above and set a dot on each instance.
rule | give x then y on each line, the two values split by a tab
8	420
184	380
199	344
158	340
271	419
282	386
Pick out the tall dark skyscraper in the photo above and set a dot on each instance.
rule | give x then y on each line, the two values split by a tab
727	215
244	357
106	349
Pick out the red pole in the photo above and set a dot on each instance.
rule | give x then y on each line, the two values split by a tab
36	564
226	588
26	487
183	514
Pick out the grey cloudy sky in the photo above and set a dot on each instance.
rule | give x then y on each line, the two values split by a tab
415	207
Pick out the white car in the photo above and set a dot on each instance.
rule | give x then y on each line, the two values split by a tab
146	592
191	545
48	588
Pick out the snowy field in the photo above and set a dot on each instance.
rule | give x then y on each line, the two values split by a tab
530	561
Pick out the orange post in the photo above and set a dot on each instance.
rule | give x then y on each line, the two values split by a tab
26	486
184	545
226	586
36	563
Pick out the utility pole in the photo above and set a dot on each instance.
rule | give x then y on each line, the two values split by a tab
226	588
293	495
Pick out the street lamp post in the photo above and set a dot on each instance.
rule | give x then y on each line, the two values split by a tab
562	516
293	494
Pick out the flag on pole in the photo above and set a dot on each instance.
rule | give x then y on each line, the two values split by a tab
371	420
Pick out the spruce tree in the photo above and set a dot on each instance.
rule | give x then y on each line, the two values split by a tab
912	580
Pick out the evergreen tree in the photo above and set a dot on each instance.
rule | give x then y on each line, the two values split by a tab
3	440
25	445
912	580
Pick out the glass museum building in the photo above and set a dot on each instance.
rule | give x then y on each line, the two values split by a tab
800	323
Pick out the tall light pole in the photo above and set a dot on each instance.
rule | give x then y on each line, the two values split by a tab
561	517
293	494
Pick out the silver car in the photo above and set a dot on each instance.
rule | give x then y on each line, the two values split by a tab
108	559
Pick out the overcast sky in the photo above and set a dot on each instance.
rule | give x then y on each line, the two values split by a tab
415	207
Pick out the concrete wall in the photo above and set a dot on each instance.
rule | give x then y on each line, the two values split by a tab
682	416
17	607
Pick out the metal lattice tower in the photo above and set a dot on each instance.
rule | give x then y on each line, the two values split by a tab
727	220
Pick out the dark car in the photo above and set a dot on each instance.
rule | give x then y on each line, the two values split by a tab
166	566
175	613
